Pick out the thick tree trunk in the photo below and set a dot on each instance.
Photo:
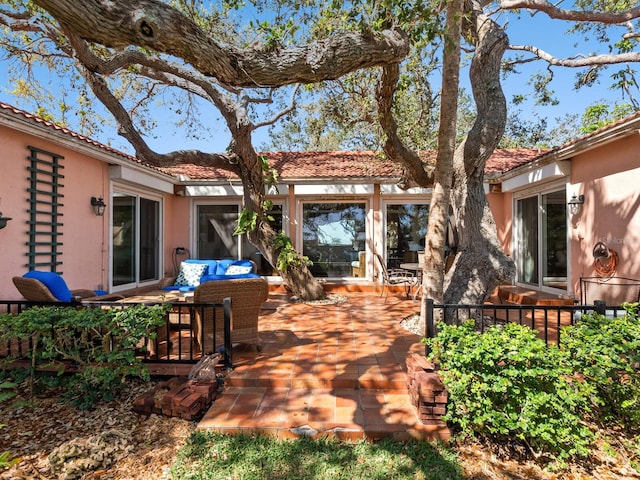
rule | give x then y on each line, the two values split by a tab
297	277
480	263
433	273
433	269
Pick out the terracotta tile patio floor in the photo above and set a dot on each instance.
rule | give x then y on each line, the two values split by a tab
335	370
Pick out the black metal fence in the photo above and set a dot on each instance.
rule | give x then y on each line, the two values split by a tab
547	320
181	339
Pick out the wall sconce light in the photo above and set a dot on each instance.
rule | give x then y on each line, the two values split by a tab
3	221
575	204
98	206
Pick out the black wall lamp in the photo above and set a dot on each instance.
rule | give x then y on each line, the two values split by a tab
575	204
3	221
98	206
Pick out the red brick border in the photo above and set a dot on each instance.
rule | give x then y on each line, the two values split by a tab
426	390
178	397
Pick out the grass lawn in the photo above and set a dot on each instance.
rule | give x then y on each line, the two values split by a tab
213	456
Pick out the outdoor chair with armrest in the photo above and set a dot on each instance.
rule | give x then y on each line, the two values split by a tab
247	296
395	276
36	286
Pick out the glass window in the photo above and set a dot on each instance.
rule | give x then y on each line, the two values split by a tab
527	240
332	236
406	231
541	240
216	224
136	239
554	244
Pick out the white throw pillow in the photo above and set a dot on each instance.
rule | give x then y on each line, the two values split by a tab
190	274
238	270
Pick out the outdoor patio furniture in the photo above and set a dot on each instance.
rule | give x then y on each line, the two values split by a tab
195	271
359	267
247	296
38	286
394	277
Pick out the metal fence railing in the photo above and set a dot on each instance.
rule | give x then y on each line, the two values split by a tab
547	320
181	339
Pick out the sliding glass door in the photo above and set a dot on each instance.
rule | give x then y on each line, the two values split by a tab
135	240
406	225
541	239
333	234
215	238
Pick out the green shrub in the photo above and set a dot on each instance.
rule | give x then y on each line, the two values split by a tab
605	352
508	383
101	342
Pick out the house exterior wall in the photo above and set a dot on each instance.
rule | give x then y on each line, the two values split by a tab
177	230
500	205
609	179
605	169
84	238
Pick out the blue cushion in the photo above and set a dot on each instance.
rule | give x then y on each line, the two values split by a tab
222	266
172	288
209	278
54	282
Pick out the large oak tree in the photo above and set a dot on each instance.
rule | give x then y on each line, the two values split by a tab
152	45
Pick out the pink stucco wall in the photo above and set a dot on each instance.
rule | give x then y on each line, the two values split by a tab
609	178
177	228
85	236
500	204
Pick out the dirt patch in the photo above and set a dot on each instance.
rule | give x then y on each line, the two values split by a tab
145	447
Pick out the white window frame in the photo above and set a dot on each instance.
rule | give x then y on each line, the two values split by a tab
538	191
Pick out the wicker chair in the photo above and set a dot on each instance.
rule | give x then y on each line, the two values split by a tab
247	296
34	290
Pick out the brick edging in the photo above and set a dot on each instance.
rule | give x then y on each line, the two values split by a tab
178	397
426	390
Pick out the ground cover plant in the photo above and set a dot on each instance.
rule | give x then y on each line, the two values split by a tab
214	456
505	384
98	344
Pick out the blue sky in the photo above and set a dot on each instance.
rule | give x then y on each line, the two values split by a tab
538	30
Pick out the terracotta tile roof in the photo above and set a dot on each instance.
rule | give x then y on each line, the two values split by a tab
501	161
306	165
65	131
347	165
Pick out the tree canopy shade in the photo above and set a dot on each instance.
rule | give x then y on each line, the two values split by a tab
133	53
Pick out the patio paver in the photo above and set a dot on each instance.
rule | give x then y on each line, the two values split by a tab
334	370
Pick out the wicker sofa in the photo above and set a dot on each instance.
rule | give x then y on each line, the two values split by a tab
247	296
207	270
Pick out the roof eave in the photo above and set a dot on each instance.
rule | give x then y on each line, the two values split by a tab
571	149
43	131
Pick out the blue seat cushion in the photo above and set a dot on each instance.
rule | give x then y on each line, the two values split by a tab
54	282
174	288
209	278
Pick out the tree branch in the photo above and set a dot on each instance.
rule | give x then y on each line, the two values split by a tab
157	26
127	129
416	173
585	61
573	15
285	111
